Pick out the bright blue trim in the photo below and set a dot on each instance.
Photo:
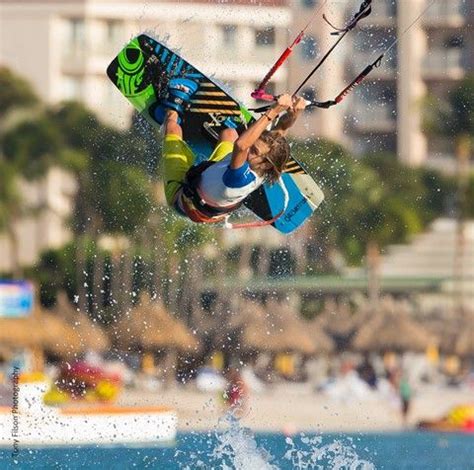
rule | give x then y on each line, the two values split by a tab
238	177
194	75
298	209
170	64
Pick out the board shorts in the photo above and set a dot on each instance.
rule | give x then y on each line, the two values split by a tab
178	158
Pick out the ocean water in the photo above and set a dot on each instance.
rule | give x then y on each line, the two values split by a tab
239	448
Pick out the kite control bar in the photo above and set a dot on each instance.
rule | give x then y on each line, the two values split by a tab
260	94
363	12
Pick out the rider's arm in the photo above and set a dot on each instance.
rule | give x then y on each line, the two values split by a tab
290	117
251	135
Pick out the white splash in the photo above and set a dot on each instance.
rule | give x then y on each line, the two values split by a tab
237	448
336	455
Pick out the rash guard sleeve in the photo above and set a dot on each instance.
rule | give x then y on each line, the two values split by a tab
238	177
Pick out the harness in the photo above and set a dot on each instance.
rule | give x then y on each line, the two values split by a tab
200	212
192	203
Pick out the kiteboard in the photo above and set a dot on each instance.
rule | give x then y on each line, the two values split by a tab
142	70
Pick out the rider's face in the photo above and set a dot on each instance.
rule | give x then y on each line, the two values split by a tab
257	159
258	148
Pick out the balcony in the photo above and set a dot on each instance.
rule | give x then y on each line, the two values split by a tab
384	15
444	64
446	13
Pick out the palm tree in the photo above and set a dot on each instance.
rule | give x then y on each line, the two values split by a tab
10	204
15	94
114	194
365	203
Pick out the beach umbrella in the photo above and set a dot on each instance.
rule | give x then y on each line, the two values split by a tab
287	333
92	336
446	329
337	321
40	330
254	329
150	326
59	337
323	342
390	330
20	333
6	352
272	328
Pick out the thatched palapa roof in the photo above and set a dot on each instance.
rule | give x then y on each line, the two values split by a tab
150	326
392	329
282	331
323	342
271	328
41	329
339	323
446	329
92	336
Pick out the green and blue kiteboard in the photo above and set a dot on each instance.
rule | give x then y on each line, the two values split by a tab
141	72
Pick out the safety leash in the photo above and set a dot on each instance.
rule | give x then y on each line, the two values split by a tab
262	223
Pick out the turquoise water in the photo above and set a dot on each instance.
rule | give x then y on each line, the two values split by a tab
241	449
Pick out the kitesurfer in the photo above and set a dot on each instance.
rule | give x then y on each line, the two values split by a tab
239	164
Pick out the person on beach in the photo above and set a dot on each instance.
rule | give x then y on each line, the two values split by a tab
404	389
239	164
236	393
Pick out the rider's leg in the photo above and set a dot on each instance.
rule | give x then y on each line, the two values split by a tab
228	135
225	144
171	123
177	156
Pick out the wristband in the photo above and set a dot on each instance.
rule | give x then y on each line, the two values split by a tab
267	116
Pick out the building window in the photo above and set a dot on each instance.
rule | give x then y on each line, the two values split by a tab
72	89
265	37
309	48
114	31
229	34
76	32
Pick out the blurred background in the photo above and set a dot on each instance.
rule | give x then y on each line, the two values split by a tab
368	309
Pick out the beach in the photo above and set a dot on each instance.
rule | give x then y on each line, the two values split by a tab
292	408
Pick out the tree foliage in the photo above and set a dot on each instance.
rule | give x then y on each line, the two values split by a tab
460	120
371	199
15	92
10	197
452	115
33	147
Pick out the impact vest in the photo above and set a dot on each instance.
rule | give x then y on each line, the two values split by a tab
193	205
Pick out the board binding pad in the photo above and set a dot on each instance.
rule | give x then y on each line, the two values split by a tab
142	71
